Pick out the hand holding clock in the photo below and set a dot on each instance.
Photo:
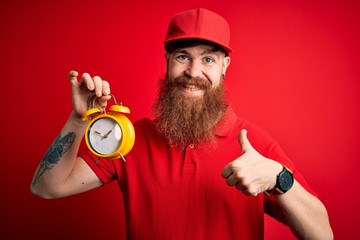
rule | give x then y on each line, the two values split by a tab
117	145
83	89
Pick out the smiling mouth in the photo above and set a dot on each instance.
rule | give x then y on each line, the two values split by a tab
192	87
192	90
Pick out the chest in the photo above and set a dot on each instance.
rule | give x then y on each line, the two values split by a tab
158	167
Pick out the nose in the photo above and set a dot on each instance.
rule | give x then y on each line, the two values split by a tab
194	69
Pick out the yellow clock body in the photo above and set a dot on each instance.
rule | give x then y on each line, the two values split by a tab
109	135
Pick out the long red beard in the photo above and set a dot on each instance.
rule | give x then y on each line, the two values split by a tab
184	120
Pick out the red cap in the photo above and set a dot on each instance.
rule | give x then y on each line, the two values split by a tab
199	24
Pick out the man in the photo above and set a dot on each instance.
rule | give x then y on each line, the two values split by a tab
171	181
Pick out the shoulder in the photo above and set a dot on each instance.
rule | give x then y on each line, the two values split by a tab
144	125
259	137
255	133
145	131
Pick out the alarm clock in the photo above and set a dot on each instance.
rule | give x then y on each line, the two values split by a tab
111	134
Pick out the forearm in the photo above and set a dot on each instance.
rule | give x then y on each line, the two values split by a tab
306	215
59	160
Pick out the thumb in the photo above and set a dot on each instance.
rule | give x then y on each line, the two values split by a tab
73	76
74	81
244	141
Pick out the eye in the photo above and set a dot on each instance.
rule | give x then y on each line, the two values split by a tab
181	58
208	60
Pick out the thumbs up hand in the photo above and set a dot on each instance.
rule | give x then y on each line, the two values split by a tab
251	173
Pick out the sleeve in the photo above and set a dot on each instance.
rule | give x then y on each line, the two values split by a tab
103	168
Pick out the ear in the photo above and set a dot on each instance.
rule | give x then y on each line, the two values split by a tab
226	63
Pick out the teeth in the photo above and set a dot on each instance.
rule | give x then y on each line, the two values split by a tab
192	88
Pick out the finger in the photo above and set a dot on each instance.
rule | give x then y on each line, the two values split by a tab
232	180
98	86
102	101
251	193
245	190
73	80
87	82
244	142
105	88
226	172
240	187
73	76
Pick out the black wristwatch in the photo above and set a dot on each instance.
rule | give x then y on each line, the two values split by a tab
284	182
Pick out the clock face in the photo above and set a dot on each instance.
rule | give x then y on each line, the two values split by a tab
105	136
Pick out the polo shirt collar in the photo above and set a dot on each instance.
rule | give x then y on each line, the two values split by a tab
227	123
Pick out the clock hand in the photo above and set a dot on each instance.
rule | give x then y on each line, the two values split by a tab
102	136
107	134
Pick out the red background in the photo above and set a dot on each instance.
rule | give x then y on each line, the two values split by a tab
294	71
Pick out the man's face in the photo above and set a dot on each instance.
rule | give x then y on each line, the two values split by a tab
191	99
197	62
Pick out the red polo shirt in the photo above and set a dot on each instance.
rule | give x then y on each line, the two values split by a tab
170	194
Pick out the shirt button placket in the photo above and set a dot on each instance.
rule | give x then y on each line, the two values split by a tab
189	160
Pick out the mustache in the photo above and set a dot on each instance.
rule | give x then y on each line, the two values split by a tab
184	81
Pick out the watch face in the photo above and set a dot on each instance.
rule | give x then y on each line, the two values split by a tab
105	136
286	180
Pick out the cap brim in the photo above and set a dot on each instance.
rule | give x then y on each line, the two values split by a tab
170	40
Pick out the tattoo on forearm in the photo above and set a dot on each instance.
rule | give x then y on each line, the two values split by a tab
54	153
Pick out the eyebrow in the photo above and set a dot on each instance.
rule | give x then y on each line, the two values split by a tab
203	53
181	51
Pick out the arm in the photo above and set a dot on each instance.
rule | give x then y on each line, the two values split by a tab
61	173
253	174
306	215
